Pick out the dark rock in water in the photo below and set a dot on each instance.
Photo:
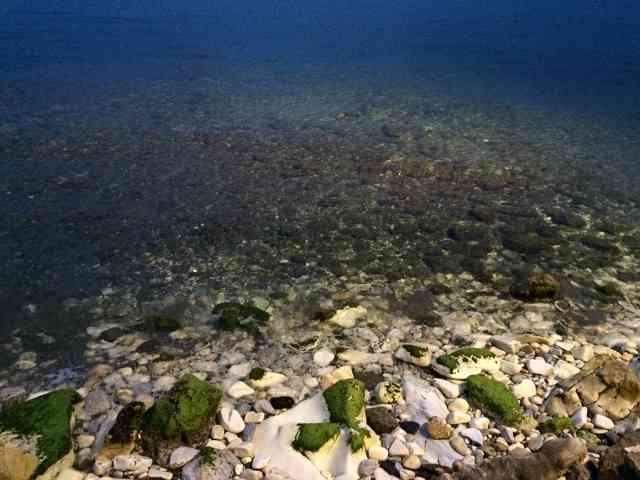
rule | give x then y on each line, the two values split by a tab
552	461
569	219
483	214
370	379
410	427
529	243
236	315
419	307
535	286
162	323
389	466
282	403
112	334
128	423
184	416
150	346
618	463
467	232
381	419
600	244
439	289
393	131
47	418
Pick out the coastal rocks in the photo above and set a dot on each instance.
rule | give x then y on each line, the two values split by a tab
605	382
211	465
462	363
35	436
122	435
381	419
438	429
183	416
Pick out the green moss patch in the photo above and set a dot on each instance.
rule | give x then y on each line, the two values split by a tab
162	322
48	417
183	416
557	424
208	455
236	315
257	373
345	400
357	438
494	399
452	360
415	351
312	436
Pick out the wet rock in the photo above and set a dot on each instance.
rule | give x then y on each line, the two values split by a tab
112	334
381	419
185	415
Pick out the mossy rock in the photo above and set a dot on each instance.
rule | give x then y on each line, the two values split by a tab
311	437
494	399
46	418
257	373
345	400
236	315
161	322
452	360
610	289
415	351
184	416
357	437
557	425
527	243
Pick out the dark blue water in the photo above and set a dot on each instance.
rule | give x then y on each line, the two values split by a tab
85	85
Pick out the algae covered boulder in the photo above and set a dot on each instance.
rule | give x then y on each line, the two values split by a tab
184	416
345	400
311	437
162	322
494	399
237	315
465	362
36	434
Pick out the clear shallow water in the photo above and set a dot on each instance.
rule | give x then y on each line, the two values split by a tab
129	135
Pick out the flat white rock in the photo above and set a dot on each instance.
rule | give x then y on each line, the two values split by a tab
539	366
423	400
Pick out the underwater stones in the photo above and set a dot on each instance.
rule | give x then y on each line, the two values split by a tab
567	219
556	425
417	354
465	232
236	315
36	435
535	286
483	214
419	307
161	322
183	416
494	399
348	317
600	243
527	243
464	362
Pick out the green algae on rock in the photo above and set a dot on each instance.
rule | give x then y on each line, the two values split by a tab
45	419
357	438
415	350
257	373
557	424
236	315
162	322
464	362
495	399
311	437
183	416
345	400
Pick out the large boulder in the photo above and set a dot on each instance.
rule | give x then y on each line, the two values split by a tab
606	382
184	416
35	436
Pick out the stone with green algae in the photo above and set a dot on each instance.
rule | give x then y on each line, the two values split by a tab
42	423
237	315
345	400
494	399
465	362
311	437
183	416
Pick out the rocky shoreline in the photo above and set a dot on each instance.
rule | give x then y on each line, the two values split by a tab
364	398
